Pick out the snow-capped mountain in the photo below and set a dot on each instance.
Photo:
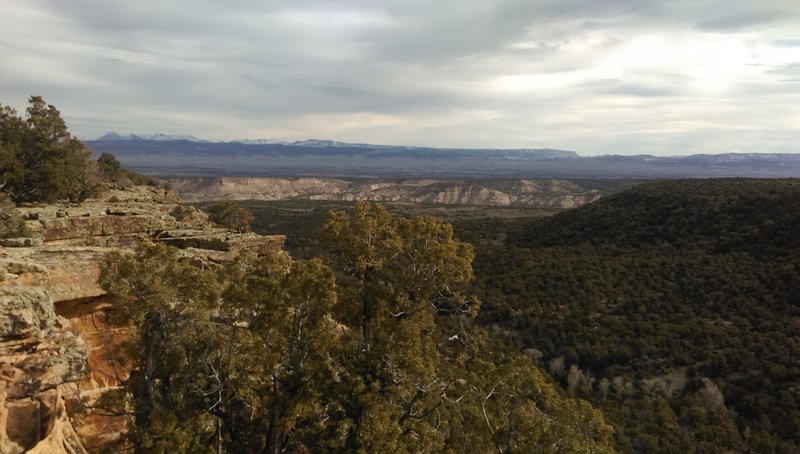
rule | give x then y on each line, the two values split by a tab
260	142
160	137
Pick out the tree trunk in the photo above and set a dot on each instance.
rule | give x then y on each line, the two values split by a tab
368	301
275	438
275	430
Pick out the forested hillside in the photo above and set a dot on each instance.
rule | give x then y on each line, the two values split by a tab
673	305
759	217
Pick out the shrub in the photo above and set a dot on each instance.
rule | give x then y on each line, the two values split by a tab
230	215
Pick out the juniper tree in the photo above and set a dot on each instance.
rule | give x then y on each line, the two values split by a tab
422	377
270	354
229	215
39	159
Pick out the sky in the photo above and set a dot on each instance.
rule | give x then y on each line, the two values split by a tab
626	77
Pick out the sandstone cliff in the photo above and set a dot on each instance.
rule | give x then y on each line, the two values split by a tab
54	329
545	193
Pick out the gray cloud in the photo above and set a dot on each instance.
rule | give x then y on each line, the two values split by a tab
622	76
792	70
641	90
738	21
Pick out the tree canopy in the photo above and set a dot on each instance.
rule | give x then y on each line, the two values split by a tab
673	307
39	159
374	351
230	215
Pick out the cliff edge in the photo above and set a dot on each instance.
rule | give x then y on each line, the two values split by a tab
541	193
55	332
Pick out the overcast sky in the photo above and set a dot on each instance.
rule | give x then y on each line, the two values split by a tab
595	76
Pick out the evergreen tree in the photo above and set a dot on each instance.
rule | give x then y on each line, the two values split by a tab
283	310
166	304
229	215
414	354
269	354
109	167
39	159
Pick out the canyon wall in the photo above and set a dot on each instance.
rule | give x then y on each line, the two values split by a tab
544	193
55	334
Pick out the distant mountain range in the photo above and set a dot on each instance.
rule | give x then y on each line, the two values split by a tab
162	154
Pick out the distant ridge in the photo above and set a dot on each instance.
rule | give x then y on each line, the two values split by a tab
308	143
113	136
163	154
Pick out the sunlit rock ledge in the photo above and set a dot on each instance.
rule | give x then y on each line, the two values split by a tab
54	317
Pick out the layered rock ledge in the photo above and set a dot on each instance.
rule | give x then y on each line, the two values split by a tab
540	193
55	332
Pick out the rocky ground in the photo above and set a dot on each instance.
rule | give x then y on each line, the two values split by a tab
54	329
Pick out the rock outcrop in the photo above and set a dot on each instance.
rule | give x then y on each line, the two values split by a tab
41	359
55	333
544	193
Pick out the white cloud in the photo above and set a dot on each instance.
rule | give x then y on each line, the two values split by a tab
618	76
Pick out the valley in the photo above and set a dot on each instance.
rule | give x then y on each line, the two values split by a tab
671	306
460	314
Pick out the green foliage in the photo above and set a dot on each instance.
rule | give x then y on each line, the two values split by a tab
647	304
109	167
376	354
229	215
39	159
140	180
400	275
180	212
673	305
241	364
111	171
759	217
166	304
285	306
510	405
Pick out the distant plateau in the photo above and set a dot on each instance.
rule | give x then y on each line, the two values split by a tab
186	156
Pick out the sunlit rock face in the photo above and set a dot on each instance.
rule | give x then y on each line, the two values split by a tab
56	333
41	361
544	193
